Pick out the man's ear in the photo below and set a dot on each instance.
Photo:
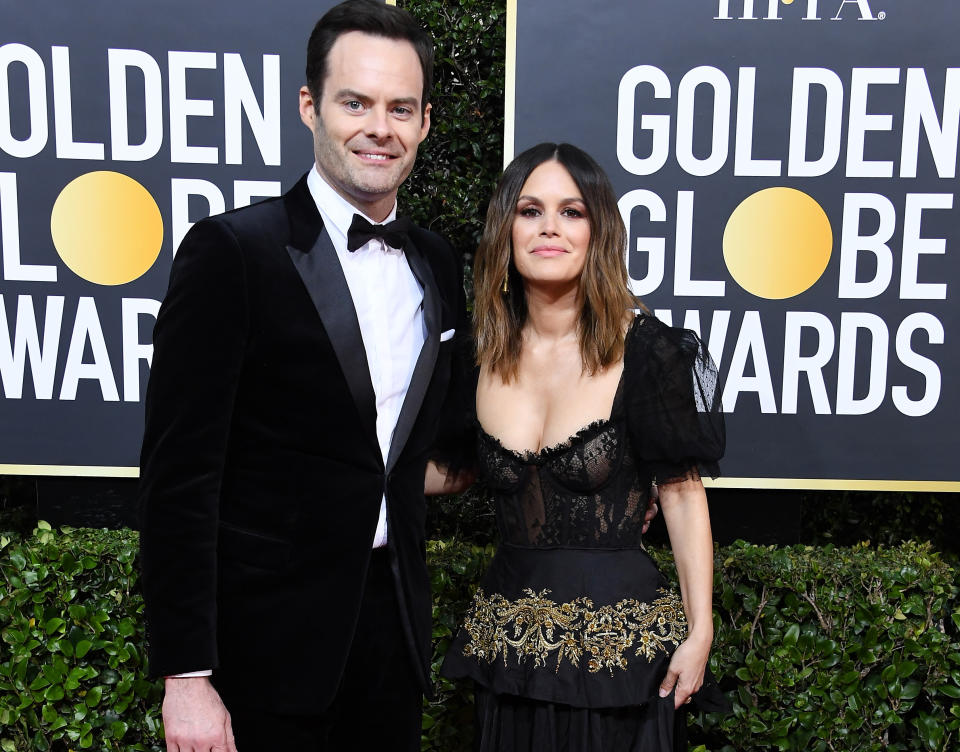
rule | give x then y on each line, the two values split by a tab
425	124
308	112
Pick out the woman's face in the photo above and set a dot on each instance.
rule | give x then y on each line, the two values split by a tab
551	229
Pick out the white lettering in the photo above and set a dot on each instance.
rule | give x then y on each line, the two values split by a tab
683	284
13	269
658	125
244	191
133	349
928	368
744	163
239	97
749	343
942	136
718	123
87	328
653	247
850	324
852	242
37	95
812	365
181	189
181	107
803	79
860	122
67	148
914	245
118	62
26	342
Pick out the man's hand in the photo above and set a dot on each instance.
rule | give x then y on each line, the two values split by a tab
195	718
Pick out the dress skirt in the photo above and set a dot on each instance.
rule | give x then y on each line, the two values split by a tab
506	723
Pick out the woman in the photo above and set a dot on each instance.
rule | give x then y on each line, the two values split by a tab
573	639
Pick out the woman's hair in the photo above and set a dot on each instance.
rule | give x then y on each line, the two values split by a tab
604	295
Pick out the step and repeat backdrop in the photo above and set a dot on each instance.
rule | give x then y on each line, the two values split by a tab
787	171
120	125
788	174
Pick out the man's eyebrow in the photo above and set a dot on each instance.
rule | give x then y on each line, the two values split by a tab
351	94
354	94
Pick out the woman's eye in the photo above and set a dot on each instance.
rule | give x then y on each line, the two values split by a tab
529	211
571	212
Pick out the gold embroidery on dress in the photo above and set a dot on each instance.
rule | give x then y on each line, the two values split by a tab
536	627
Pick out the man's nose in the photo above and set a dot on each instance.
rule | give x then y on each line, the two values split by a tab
378	124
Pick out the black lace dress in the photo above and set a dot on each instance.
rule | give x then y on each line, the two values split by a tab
571	631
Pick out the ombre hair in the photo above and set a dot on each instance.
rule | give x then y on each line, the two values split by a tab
604	296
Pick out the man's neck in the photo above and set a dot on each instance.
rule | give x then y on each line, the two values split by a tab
377	210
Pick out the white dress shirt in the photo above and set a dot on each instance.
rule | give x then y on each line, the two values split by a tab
389	305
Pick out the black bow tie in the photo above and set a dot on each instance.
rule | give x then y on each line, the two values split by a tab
394	234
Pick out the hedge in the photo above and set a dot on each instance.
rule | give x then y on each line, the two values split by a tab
819	649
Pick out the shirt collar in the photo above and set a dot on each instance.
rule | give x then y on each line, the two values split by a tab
336	212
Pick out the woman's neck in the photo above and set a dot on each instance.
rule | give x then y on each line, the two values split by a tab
552	314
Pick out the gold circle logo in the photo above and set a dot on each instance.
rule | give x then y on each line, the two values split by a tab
777	243
107	228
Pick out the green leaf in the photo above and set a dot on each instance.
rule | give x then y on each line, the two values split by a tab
54	693
793	633
53	625
93	697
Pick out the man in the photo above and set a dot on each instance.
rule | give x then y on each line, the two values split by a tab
301	362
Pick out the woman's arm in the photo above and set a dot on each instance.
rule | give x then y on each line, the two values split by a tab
684	505
438	480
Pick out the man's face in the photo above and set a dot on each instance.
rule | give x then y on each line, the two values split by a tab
369	124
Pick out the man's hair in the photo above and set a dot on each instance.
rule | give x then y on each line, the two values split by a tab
369	17
605	298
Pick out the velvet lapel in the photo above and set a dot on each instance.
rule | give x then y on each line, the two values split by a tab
320	270
423	370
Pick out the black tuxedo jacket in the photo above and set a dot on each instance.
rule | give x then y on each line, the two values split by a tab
261	475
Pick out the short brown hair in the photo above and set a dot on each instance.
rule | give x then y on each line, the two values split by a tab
369	17
605	296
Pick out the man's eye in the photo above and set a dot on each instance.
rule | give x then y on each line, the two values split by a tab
354	105
403	111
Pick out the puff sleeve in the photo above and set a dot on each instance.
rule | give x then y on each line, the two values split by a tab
674	414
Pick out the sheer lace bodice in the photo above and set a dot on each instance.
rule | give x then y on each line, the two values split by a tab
584	492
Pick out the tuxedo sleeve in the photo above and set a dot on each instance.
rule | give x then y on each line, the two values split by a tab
199	341
455	442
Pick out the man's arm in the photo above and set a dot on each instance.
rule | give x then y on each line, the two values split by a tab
198	347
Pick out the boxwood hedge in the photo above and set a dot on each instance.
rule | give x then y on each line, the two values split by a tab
818	648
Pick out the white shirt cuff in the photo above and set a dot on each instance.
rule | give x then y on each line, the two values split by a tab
191	674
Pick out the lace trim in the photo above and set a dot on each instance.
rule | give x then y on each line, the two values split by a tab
552	451
537	628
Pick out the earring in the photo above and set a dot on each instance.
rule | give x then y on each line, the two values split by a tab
506	281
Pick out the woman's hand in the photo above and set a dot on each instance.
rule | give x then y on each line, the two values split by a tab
685	673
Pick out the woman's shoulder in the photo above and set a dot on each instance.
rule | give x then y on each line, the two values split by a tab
649	337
